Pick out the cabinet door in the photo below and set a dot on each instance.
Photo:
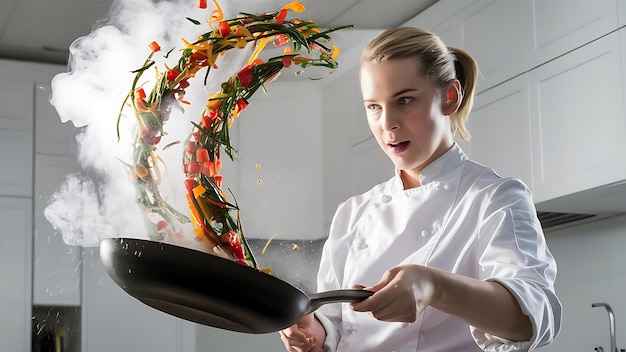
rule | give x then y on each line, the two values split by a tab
492	33
577	119
112	320
489	30
500	129
444	19
16	137
15	271
342	111
56	275
51	135
558	26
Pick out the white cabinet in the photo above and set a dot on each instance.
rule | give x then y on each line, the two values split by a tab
57	266
15	271
621	13
558	26
344	124
16	137
51	135
500	129
112	320
444	18
489	30
280	163
496	46
577	119
349	102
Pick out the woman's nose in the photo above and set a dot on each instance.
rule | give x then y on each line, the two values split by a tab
389	121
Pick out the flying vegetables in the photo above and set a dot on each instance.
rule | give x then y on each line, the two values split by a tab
215	218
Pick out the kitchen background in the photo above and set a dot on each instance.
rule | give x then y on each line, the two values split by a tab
550	109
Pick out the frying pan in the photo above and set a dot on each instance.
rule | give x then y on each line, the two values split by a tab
210	290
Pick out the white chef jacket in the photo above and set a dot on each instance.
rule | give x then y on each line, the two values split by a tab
463	219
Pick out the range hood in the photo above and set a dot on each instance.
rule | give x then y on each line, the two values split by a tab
584	206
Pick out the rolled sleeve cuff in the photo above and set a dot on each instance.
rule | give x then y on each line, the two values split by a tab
332	335
491	343
542	308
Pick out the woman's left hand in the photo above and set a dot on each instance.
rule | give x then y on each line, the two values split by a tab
401	295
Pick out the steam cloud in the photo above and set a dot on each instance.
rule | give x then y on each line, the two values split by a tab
100	202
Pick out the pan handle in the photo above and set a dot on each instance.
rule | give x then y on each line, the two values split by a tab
336	296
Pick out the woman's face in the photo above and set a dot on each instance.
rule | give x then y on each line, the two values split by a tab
404	112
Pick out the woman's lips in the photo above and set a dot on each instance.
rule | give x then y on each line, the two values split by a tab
398	147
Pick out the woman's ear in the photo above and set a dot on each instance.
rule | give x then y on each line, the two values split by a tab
452	97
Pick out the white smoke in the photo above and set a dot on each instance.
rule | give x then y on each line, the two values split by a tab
100	202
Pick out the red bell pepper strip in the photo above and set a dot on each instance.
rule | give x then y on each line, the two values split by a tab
224	28
154	46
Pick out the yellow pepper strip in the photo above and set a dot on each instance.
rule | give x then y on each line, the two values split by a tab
336	52
268	243
260	45
202	46
217	14
243	31
294	6
198	191
195	219
238	43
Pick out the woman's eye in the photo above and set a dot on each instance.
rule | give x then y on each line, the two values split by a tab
373	107
405	100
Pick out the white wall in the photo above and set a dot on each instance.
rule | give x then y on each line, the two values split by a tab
590	259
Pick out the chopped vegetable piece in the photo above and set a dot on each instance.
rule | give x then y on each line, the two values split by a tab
154	46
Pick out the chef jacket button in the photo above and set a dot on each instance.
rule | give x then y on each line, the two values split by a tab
438	186
425	233
386	198
447	186
362	245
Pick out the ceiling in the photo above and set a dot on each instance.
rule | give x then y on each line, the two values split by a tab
42	30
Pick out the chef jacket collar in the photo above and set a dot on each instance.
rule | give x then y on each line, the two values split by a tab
437	169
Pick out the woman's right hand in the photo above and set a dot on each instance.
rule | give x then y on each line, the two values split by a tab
307	335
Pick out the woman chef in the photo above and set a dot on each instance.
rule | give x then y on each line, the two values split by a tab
454	254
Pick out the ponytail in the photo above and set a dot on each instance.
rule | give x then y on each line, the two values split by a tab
466	70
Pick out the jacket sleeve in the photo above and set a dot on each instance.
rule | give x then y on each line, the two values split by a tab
512	250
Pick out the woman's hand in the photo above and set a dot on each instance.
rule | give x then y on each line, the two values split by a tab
401	295
307	335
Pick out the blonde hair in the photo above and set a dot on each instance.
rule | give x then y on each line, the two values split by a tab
438	63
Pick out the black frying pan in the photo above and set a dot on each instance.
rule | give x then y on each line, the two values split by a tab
210	290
